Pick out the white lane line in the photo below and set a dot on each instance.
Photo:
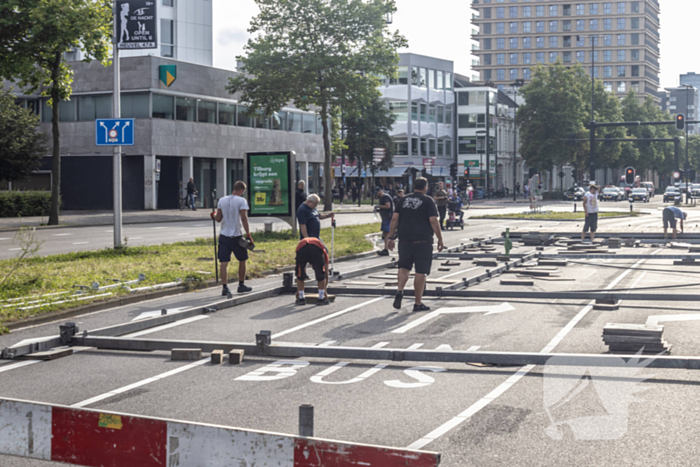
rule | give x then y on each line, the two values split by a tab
109	231
459	272
15	249
166	326
503	387
473	348
62	235
415	347
158	228
135	238
80	243
4	238
182	234
327	317
137	384
12	366
327	343
379	345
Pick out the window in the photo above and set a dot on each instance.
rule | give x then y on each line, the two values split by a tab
414	146
414	111
566	25
580	25
184	109
595	72
440	82
635	7
423	112
513	59
580	41
553	10
607	55
500	12
527	42
137	105
500	28
500	59
553	41
401	76
594	8
500	43
621	55
539	57
422	77
431	78
634	23
607	72
594	56
487	75
540	42
242	118
621	39
513	73
486	28
594	25
527	12
92	107
400	110
167	2
607	8
277	121
513	12
635	86
309	123
167	37
206	111
621	23
635	70
513	27
607	85
553	57
580	11
539	10
527	26
635	39
440	114
580	57
440	147
487	59
539	26
163	106
621	8
448	147
487	12
553	26
567	10
621	71
424	146
567	57
500	73
527	58
448	115
466	145
227	113
526	73
431	147
293	121
634	55
621	86
607	24
401	147
513	42
432	113
462	98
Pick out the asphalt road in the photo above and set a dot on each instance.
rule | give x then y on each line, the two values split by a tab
474	416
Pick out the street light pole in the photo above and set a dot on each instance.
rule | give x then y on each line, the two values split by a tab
687	141
515	136
591	175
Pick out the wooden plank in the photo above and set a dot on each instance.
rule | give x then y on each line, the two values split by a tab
312	298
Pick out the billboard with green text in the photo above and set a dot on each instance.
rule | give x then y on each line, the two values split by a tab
270	184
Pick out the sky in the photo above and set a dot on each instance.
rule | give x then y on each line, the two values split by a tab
442	29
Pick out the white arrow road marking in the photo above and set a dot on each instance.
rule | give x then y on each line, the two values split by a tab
156	313
489	310
654	320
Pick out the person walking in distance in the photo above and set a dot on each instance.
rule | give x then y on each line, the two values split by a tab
386	211
590	207
191	190
441	201
341	192
669	216
232	212
416	221
309	218
311	250
300	195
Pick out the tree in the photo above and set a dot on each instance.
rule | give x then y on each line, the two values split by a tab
34	35
317	53
368	128
21	145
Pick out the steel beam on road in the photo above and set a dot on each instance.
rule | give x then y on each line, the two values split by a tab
467	254
623	256
636	235
384	354
490	273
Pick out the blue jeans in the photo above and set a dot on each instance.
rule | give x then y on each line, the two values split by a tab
190	200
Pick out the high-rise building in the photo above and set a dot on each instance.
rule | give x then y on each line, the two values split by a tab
692	79
684	100
184	33
621	37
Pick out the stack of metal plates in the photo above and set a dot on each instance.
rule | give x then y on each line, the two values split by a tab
635	338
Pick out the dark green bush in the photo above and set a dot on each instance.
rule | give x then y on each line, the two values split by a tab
24	203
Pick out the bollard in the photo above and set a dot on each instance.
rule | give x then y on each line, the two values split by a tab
574	207
306	420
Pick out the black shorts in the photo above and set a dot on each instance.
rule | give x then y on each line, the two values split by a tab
228	245
591	222
669	218
313	255
420	254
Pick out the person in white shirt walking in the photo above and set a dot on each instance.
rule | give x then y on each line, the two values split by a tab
232	212
590	207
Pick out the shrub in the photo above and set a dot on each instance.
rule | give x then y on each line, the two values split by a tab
24	203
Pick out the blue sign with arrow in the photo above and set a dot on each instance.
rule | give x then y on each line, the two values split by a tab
114	132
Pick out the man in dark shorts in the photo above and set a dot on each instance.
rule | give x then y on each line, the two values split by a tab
670	214
417	221
590	208
311	250
386	211
232	212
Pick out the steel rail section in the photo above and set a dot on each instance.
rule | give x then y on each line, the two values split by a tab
622	256
384	354
577	235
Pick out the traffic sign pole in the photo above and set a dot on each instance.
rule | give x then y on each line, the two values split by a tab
117	157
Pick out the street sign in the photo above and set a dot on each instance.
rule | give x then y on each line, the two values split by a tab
676	175
136	21
270	184
342	169
157	166
114	132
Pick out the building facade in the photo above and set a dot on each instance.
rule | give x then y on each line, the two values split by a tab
684	100
621	37
192	128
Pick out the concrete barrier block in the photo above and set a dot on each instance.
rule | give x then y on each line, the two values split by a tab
217	357
235	357
186	354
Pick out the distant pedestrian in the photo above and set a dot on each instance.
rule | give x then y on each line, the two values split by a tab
669	216
353	192
312	251
300	195
386	211
232	212
399	195
191	191
309	218
590	207
517	189
341	192
441	202
416	221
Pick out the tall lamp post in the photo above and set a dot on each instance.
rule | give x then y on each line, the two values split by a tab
518	83
594	39
688	88
481	163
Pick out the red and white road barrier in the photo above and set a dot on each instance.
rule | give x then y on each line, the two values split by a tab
109	439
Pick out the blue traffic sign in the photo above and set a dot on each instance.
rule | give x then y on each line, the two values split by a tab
114	132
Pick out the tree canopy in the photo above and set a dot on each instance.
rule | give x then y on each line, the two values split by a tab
318	54
21	145
368	128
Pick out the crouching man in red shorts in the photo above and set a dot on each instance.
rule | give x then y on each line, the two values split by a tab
311	250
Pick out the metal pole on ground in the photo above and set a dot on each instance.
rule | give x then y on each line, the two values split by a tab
117	155
213	221
332	247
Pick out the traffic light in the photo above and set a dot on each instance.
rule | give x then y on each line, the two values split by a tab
629	175
466	172
453	169
680	122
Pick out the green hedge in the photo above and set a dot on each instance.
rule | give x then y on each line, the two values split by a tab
24	203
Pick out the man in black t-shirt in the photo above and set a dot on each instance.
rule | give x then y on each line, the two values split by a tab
416	218
386	211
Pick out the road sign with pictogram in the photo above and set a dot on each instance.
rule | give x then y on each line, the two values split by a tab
114	132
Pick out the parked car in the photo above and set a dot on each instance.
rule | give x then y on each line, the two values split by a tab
611	194
627	189
671	194
650	188
640	194
695	190
574	194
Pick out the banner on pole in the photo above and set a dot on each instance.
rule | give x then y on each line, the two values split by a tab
270	184
136	24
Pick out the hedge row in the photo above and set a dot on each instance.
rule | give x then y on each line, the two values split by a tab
24	203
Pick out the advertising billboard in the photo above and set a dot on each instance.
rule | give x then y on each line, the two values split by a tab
270	184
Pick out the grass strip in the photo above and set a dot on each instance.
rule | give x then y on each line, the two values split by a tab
192	260
554	215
